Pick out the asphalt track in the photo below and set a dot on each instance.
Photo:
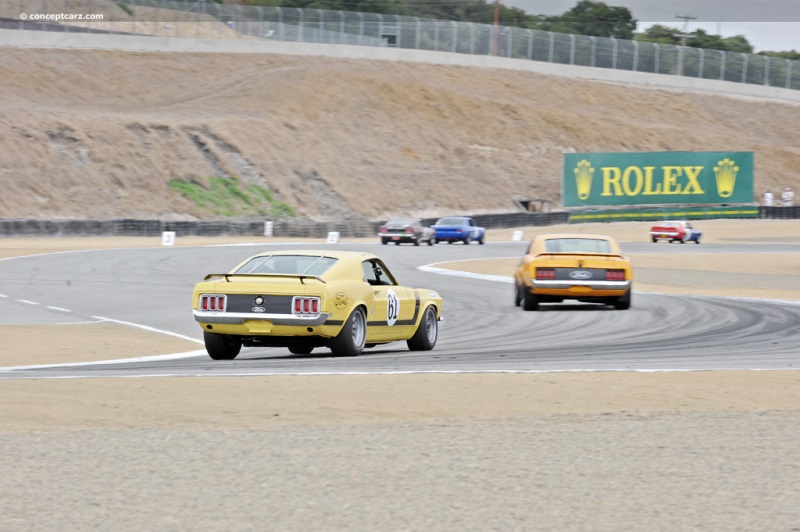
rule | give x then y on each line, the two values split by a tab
481	332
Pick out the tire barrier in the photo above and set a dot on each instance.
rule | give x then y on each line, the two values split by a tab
358	228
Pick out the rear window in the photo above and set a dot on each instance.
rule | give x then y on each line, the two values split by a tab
288	264
450	221
576	245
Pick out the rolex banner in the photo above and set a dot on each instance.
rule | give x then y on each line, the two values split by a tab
657	178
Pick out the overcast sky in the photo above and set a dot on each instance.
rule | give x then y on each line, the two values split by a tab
766	24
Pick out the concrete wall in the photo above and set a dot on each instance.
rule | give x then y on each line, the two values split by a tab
134	43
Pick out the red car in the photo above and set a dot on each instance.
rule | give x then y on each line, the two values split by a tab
409	230
675	232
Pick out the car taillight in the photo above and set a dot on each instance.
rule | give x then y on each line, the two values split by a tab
213	302
305	305
545	274
615	275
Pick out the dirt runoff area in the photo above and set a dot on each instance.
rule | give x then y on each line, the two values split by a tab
719	274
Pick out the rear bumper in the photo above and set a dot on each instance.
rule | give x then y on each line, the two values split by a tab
231	318
580	288
397	237
451	235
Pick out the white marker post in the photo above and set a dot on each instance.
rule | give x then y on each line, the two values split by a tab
168	238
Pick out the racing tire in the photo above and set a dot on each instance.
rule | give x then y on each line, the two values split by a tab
300	349
427	333
530	302
221	346
351	339
624	301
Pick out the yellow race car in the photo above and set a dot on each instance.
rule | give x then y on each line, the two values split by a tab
343	300
588	268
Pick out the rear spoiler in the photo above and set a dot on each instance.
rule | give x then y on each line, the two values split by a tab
227	276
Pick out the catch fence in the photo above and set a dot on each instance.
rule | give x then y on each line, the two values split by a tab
208	19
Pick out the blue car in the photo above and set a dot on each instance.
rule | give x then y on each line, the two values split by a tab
458	229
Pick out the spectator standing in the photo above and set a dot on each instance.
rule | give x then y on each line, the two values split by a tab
768	198
787	197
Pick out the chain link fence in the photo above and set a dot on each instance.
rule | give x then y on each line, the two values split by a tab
208	19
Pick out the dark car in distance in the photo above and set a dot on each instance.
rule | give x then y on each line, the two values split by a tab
405	230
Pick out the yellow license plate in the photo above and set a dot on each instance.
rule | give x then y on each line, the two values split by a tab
258	326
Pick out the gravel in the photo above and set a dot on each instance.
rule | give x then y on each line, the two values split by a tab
620	471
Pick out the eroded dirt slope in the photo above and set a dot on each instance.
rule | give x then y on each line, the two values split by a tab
101	134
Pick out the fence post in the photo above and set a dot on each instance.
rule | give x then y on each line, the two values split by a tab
744	68
530	44
300	26
702	63
657	60
471	38
614	53
788	74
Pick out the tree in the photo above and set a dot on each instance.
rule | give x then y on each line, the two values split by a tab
792	54
659	34
594	19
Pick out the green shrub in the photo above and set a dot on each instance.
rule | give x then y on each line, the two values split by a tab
126	8
229	197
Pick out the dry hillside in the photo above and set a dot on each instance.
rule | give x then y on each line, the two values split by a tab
101	134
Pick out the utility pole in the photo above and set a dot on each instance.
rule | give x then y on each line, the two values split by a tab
683	36
496	26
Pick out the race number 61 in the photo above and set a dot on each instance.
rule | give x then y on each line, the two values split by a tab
392	307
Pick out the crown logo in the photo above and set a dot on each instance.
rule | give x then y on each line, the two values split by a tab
583	178
726	177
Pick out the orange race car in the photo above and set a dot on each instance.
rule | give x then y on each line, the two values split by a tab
588	268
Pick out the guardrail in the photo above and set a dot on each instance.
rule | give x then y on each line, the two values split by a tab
282	228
